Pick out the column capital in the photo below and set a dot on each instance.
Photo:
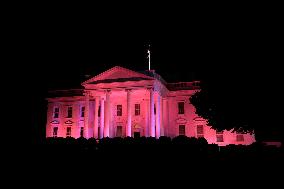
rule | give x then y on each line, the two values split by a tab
108	91
129	90
87	93
150	89
159	93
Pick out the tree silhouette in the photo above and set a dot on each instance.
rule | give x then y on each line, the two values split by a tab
225	106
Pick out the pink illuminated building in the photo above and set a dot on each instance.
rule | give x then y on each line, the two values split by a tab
120	102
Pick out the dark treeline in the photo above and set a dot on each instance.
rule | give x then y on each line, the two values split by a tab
147	158
181	146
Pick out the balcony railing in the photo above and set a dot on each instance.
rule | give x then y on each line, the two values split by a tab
183	86
65	93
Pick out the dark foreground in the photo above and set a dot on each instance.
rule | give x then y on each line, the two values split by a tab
140	159
182	148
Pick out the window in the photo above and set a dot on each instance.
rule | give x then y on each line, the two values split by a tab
55	131
99	111
119	131
219	138
154	109
69	112
119	110
219	132
68	133
181	108
82	132
56	112
200	131
182	130
82	111
240	137
137	109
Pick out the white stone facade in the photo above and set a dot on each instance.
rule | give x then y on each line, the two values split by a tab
121	102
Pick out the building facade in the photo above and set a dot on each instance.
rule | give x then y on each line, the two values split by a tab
120	102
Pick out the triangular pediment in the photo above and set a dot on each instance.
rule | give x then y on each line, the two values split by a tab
198	119
117	73
68	122
181	120
54	122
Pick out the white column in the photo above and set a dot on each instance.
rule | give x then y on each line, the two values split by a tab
147	116
162	117
165	118
107	114
86	116
96	124
152	116
129	113
158	116
102	118
77	116
167	130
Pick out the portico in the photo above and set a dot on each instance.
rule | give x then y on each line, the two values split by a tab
107	101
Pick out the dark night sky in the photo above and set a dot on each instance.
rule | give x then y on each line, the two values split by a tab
235	48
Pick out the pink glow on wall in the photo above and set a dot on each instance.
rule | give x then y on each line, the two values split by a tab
148	92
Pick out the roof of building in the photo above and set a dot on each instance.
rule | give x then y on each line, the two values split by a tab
65	93
153	74
119	80
183	86
150	73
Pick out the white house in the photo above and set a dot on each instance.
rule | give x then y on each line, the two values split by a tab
120	102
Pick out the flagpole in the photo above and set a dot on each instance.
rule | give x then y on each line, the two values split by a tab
149	58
